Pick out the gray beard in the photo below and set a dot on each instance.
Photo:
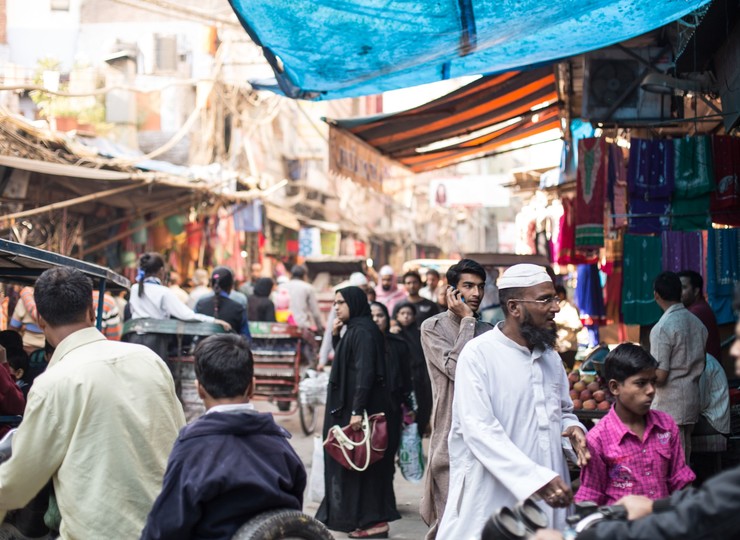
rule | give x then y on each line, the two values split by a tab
537	338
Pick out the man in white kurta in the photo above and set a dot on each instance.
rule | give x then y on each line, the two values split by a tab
510	410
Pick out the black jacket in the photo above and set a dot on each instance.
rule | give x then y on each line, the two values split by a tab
224	469
228	310
709	513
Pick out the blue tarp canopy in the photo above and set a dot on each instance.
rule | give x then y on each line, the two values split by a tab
327	49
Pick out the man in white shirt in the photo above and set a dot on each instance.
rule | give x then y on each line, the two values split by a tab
510	411
429	290
100	421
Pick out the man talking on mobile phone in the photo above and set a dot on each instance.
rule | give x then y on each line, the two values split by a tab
442	337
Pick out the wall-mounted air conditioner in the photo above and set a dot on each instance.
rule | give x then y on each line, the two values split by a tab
608	74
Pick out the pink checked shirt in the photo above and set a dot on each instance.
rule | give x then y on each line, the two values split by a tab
621	464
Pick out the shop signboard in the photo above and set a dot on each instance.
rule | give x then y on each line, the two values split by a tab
470	191
355	159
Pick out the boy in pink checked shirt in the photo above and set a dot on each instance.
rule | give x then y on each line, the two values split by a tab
634	450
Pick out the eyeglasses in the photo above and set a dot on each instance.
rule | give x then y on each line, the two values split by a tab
542	302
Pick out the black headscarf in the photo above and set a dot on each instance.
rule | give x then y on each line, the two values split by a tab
360	326
357	303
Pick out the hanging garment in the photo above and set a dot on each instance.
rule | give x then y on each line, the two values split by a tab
642	264
650	179
683	251
565	244
614	275
616	189
694	181
725	200
248	217
590	192
723	271
589	296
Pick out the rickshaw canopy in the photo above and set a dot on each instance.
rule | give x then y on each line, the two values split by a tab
23	264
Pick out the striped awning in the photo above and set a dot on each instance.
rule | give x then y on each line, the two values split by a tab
471	122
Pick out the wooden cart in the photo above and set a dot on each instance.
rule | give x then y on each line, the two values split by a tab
277	369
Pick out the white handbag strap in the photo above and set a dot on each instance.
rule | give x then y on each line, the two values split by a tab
345	442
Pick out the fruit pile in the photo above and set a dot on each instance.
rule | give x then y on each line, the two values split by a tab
588	392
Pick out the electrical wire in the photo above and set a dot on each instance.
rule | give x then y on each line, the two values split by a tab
169	9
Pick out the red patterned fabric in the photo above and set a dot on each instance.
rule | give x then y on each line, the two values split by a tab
590	193
564	246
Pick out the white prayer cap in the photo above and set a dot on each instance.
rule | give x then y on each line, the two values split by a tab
358	279
523	275
386	271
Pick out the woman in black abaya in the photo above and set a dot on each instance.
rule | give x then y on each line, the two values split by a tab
405	317
361	503
398	375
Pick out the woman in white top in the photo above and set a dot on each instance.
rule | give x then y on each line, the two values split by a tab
151	299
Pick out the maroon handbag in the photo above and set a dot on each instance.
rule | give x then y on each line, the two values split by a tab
357	450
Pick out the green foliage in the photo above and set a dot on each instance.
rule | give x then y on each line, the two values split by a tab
87	110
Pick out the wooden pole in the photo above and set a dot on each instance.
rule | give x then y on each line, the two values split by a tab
72	202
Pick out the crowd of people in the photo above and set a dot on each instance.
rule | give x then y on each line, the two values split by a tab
103	434
501	420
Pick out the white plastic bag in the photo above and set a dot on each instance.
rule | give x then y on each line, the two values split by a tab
410	454
312	389
316	480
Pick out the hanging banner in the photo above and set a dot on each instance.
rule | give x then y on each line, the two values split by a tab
355	159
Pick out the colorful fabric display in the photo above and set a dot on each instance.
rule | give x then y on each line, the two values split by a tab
650	179
723	271
725	200
694	181
683	251
590	192
642	264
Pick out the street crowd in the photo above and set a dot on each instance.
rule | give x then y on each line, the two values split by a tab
103	434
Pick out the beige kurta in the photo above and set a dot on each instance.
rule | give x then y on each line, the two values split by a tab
442	338
100	421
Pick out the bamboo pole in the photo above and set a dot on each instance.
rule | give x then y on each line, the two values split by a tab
72	202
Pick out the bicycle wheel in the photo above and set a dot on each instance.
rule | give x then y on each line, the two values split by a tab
307	414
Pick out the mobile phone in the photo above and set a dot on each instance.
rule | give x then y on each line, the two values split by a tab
455	289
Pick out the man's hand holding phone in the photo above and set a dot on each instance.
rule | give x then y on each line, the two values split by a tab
456	303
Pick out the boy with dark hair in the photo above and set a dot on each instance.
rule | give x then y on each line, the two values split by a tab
18	364
634	450
231	464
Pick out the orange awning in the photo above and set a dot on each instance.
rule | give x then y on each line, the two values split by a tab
470	122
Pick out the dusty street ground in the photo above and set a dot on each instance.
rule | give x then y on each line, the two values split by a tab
407	495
